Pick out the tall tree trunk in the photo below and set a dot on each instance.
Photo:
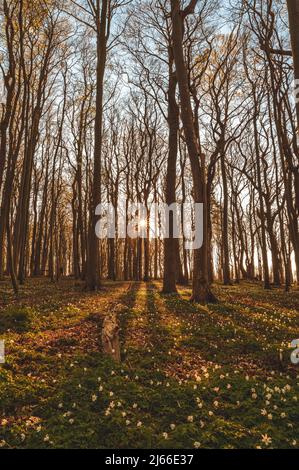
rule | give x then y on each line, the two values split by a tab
200	289
93	274
169	277
225	241
293	11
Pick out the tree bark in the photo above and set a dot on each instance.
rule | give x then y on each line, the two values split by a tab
200	287
169	277
93	274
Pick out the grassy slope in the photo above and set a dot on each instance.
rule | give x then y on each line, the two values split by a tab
190	375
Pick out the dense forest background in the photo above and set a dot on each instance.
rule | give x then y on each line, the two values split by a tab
149	101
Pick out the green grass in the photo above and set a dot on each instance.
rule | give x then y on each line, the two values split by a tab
190	375
16	319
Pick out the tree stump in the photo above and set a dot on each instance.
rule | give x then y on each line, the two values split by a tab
110	337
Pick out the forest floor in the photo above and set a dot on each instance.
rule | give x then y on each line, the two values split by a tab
191	376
